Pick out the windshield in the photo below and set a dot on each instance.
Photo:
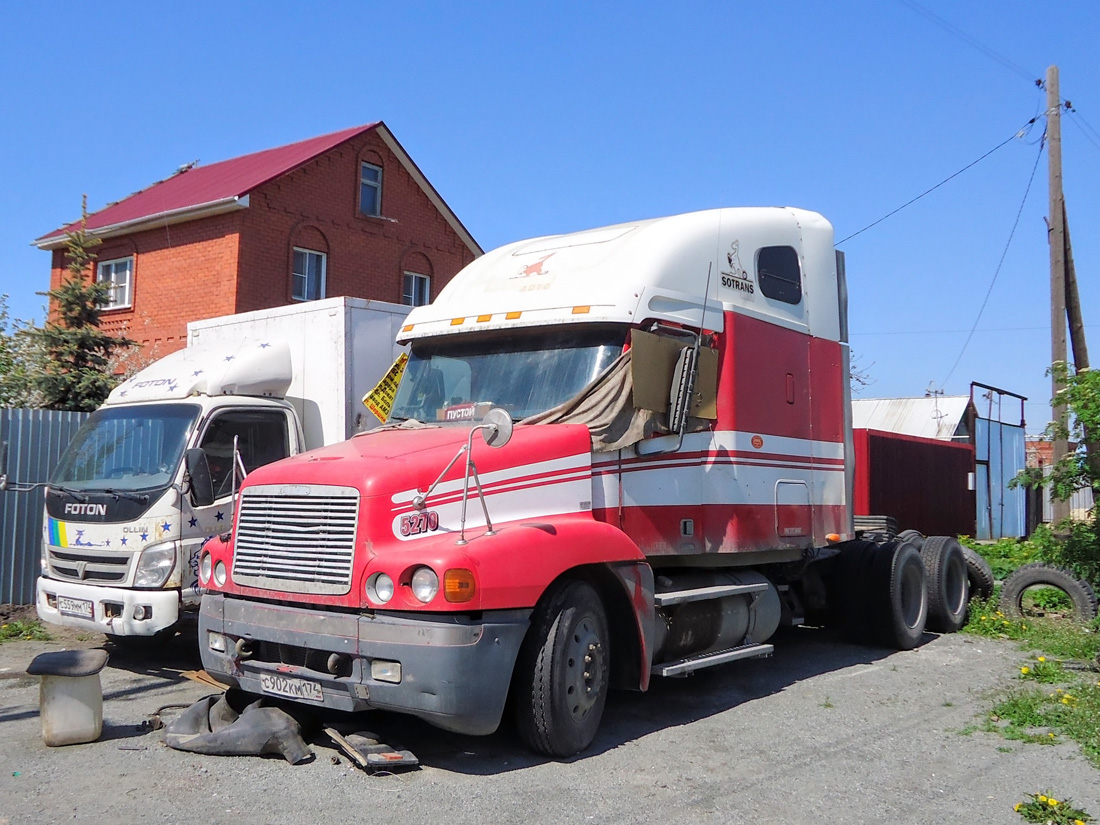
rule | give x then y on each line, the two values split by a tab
127	448
525	372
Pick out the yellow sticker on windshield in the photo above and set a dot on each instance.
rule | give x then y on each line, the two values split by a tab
380	400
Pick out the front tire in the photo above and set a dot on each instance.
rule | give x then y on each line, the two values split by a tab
562	674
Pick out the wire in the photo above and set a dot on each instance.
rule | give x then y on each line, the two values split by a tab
1004	254
1019	133
959	33
948	331
1081	123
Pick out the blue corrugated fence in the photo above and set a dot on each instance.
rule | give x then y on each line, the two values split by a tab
35	439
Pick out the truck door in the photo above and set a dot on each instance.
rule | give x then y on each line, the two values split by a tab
263	436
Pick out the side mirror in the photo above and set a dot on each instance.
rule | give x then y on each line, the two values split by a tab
198	472
496	427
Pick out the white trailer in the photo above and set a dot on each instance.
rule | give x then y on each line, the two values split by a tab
124	523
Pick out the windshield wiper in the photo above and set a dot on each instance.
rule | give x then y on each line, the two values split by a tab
142	497
79	495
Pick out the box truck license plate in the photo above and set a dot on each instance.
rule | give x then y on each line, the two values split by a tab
290	687
81	608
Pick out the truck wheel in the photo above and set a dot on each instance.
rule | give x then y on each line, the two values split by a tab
1013	594
947	583
901	585
853	582
979	573
561	680
914	537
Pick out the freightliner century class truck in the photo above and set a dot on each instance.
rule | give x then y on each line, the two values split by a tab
124	520
613	455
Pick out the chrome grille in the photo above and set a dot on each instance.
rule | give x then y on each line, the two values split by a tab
77	566
298	539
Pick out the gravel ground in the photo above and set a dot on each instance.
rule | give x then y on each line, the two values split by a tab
823	732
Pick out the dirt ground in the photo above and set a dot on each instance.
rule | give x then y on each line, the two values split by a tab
822	732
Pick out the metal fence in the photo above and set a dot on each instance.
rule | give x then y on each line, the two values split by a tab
35	440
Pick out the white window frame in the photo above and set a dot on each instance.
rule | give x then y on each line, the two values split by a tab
416	286
296	277
119	273
374	184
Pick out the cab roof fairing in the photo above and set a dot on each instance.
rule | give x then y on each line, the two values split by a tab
631	272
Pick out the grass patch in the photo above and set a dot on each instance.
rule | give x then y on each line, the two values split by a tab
1005	555
23	630
1058	695
1045	808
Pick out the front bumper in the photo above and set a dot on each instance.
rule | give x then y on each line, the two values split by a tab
112	608
455	673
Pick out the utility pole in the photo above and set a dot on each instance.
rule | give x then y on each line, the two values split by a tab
1057	240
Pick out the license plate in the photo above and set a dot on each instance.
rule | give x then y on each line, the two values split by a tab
290	687
81	608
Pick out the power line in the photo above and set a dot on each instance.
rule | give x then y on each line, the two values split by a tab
1000	263
959	33
1020	133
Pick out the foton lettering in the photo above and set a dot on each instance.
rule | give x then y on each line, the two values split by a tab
86	509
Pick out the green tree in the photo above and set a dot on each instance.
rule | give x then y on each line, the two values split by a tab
21	361
1078	546
77	374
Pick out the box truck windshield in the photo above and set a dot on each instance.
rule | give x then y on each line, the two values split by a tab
525	372
127	449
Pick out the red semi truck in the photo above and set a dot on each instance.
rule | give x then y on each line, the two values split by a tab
613	455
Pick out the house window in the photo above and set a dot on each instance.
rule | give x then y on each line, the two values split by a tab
416	290
309	275
370	189
779	274
120	275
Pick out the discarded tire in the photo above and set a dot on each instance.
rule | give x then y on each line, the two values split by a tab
979	573
948	585
1080	593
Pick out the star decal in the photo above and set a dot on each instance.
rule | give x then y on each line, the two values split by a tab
192	522
196	373
144	536
219	515
166	527
107	543
122	541
229	358
264	346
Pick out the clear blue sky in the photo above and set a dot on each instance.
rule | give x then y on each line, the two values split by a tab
540	118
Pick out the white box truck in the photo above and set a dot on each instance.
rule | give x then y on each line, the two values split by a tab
125	519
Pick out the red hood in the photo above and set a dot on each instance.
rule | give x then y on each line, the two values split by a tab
382	462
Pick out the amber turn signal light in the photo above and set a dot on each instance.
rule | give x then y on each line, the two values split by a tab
458	585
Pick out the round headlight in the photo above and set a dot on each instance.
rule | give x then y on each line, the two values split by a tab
425	584
380	588
219	573
205	563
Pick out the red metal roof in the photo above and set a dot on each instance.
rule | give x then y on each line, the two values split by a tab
204	185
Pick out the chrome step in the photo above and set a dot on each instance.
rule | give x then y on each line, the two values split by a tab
683	667
699	594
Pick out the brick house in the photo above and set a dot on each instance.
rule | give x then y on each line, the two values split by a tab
347	213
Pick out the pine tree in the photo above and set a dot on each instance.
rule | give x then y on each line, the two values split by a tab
77	375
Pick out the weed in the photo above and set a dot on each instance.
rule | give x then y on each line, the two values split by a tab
1042	807
827	703
19	629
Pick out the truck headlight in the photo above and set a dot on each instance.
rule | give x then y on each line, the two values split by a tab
155	565
425	584
205	565
379	588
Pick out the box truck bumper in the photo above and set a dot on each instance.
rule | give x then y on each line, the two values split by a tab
446	670
107	609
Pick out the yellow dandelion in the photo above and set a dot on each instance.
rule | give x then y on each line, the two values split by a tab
1059	690
1005	621
1017	806
1054	803
1051	735
1025	670
1042	798
1078	822
1042	658
983	618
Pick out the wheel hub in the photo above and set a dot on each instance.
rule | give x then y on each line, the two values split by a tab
584	665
